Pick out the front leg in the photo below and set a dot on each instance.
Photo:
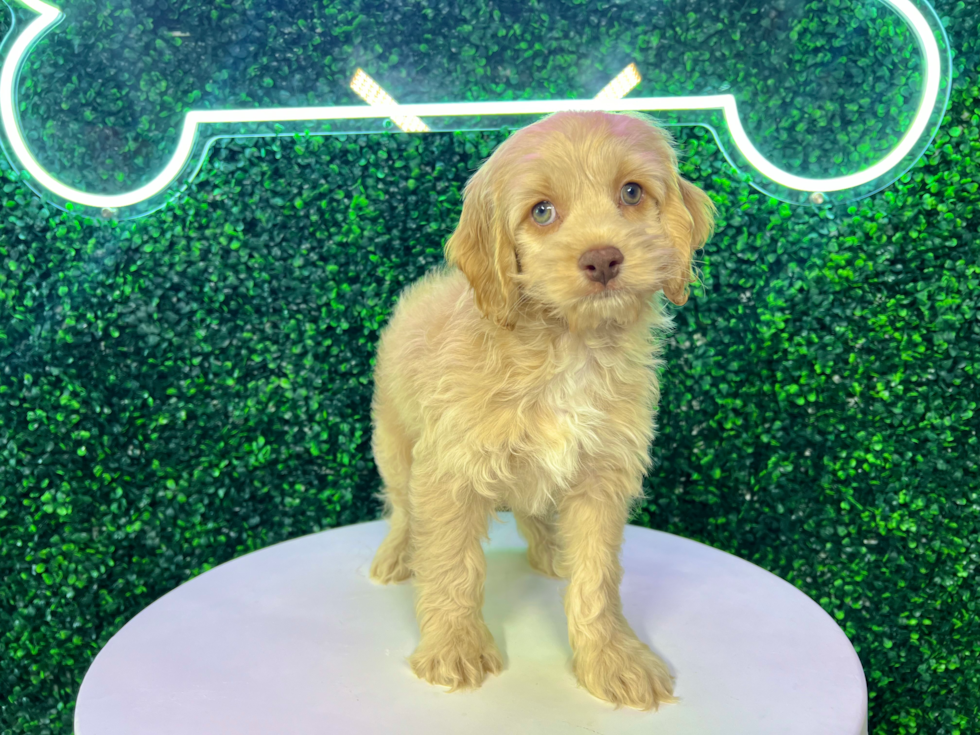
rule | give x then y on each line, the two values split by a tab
448	521
608	659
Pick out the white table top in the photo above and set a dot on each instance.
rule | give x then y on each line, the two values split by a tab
295	639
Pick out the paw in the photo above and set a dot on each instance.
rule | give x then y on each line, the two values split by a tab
625	672
390	563
458	661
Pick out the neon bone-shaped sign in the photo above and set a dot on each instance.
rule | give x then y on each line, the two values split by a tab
728	127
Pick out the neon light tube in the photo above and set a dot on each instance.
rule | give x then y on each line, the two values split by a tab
48	14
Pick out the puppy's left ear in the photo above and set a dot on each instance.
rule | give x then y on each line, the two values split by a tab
689	217
483	249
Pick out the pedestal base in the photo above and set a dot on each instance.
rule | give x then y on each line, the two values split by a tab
296	640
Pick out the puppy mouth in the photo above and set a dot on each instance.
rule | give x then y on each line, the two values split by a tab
605	293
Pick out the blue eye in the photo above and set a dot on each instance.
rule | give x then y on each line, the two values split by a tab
631	193
544	213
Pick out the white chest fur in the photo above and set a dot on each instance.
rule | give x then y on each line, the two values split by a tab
565	417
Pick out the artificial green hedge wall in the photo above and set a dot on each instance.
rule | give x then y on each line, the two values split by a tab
824	87
184	388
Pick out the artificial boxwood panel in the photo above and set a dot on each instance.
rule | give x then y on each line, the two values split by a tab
184	388
824	88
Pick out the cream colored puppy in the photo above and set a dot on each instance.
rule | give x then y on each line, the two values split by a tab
527	379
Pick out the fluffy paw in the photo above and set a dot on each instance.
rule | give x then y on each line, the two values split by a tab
625	671
390	563
459	661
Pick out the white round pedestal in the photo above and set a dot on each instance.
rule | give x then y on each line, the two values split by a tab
295	639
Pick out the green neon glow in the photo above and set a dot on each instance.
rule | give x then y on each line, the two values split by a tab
48	15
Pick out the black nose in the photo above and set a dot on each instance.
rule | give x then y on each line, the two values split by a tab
602	264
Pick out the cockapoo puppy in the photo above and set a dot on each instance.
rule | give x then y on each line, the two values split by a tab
523	375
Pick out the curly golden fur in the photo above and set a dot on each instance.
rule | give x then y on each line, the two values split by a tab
516	377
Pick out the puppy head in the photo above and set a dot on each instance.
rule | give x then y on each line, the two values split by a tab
581	216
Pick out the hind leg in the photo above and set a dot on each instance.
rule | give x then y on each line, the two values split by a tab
393	456
542	542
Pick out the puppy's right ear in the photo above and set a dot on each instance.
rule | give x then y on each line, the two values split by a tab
483	249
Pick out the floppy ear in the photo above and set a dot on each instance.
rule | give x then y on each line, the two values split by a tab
483	249
689	217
